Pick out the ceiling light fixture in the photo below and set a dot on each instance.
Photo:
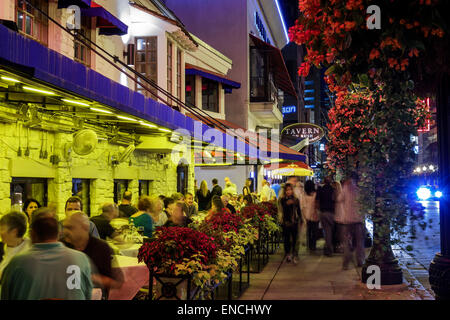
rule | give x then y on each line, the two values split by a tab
38	90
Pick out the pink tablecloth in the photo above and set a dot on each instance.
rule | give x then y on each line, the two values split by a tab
135	274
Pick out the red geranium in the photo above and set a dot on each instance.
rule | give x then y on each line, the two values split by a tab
171	245
225	220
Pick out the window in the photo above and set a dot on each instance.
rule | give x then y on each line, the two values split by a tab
258	76
190	90
144	187
182	178
31	22
146	64
120	186
82	188
210	96
169	67
28	188
179	74
81	52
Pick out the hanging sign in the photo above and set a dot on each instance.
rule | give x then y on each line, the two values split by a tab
294	133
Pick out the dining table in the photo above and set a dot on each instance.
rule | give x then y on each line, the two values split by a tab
135	275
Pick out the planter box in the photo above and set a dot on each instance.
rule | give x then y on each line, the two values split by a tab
168	287
259	252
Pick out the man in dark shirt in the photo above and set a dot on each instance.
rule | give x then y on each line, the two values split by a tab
103	222
76	236
326	197
125	208
216	190
225	200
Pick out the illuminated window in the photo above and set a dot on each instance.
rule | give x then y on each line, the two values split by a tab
30	21
190	89
82	53
169	67
146	64
210	95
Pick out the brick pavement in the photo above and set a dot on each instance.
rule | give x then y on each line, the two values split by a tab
317	277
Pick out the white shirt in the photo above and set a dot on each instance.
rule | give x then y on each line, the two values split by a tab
11	252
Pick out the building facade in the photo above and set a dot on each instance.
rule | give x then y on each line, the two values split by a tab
253	42
92	112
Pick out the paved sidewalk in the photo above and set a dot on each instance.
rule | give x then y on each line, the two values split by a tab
317	277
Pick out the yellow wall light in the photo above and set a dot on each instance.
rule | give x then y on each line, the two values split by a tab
37	90
76	102
101	110
9	79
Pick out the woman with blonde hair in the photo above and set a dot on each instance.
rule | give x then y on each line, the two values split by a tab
203	196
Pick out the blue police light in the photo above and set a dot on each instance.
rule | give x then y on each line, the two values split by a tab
438	194
423	193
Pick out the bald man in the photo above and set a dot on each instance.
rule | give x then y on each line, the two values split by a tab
76	236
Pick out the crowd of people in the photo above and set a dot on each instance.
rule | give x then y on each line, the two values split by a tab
42	257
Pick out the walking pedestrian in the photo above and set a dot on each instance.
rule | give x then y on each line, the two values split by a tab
291	217
326	202
203	196
310	214
352	222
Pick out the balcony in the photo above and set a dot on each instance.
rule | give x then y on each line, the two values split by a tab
264	101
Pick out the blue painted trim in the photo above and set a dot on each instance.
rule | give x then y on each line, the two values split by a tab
228	84
57	70
119	28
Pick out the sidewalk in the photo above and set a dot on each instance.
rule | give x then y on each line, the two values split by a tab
317	277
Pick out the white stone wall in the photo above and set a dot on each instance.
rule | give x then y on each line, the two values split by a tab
96	166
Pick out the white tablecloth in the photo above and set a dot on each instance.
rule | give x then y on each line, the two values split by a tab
135	274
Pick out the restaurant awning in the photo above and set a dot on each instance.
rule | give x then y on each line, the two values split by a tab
107	23
68	3
268	148
227	84
299	169
276	61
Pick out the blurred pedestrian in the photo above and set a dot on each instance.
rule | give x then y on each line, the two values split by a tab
326	202
290	218
76	236
352	222
311	215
